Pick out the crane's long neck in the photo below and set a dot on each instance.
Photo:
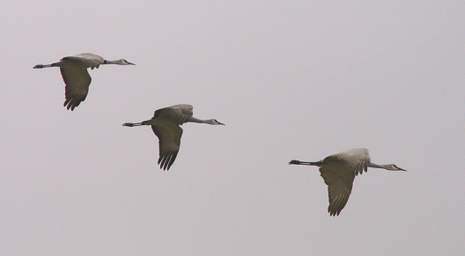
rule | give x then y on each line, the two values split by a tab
201	121
389	167
379	166
111	61
297	162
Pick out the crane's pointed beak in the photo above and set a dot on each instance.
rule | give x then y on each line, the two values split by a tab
399	169
130	63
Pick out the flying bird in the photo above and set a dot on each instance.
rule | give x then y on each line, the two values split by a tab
74	72
338	172
166	125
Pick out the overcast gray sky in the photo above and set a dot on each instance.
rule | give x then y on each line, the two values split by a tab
291	79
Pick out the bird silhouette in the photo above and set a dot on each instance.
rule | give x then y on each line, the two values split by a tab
166	126
76	77
339	171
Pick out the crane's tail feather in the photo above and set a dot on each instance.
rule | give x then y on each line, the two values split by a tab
298	162
130	124
39	66
147	122
294	162
56	64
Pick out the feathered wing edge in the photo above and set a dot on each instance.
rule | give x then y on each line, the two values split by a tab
169	141
339	188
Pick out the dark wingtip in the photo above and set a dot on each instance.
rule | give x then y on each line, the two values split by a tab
166	161
70	104
333	213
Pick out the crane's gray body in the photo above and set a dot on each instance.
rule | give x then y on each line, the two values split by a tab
339	171
165	124
73	69
84	60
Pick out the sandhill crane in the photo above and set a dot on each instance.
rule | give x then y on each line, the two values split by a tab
165	124
77	79
338	172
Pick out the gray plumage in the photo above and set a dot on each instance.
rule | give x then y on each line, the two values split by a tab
76	77
339	171
165	124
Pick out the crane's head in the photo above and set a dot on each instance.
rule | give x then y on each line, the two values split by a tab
123	62
214	122
393	167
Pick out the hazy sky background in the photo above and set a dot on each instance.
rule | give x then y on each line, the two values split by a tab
291	79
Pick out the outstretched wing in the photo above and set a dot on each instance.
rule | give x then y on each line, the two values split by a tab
77	81
339	180
176	113
356	159
169	136
186	109
87	60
